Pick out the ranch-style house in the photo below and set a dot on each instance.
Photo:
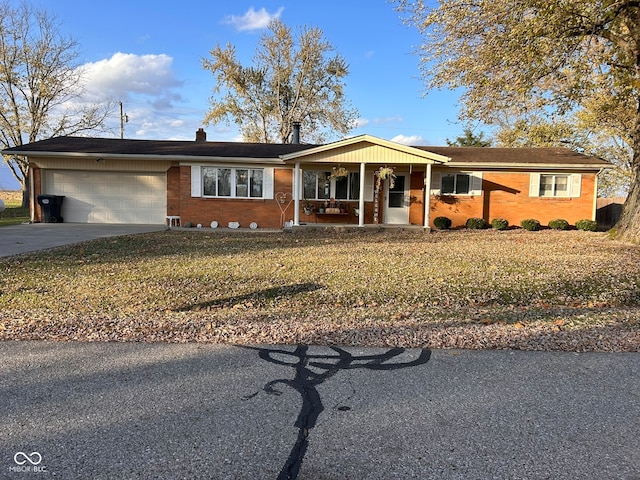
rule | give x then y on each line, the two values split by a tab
254	185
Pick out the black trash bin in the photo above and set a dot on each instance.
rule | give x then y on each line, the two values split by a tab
51	206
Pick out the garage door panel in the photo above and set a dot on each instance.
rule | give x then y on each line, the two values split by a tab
109	197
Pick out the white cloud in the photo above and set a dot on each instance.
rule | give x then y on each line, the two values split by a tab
252	19
150	91
360	122
408	140
125	73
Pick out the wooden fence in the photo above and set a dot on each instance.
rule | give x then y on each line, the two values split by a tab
608	211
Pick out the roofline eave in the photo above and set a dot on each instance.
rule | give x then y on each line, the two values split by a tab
527	166
146	157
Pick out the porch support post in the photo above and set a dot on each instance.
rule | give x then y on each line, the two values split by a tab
427	196
296	193
361	197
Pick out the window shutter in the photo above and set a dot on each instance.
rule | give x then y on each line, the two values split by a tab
196	181
436	182
268	183
575	180
476	183
534	185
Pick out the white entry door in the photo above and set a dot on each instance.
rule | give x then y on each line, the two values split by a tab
396	201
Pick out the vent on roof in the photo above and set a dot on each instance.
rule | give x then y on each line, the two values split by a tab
201	135
296	133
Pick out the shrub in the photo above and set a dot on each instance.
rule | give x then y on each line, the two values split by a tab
530	224
499	224
587	225
559	224
476	223
442	223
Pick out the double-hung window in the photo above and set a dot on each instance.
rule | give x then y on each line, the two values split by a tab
554	185
233	182
455	184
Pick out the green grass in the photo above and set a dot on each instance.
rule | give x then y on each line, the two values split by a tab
326	287
13	214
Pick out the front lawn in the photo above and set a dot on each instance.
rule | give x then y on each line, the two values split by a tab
13	214
544	290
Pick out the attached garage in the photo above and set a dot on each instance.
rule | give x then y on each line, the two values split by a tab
109	197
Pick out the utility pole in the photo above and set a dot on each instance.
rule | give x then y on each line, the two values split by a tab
124	118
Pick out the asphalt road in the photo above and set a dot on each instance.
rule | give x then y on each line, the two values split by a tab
196	411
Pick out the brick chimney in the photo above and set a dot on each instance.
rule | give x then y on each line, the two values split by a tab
201	135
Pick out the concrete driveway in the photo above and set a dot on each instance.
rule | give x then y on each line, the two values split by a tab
17	239
198	411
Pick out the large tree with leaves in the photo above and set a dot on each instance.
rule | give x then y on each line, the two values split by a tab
555	57
293	78
39	81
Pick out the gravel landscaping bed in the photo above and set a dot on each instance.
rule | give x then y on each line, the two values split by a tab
547	290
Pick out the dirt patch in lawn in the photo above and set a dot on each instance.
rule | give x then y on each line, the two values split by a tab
548	290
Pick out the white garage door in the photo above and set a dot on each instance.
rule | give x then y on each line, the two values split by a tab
109	197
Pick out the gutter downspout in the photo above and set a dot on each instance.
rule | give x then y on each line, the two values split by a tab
594	213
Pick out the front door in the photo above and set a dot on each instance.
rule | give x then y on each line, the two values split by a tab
396	201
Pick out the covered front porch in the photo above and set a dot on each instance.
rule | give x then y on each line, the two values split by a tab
362	181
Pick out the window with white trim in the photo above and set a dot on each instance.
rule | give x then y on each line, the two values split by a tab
233	182
455	184
318	185
554	185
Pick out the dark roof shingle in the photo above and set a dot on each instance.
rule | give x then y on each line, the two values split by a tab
117	146
184	148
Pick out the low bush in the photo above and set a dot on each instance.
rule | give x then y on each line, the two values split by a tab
499	224
587	225
442	223
476	223
530	224
559	224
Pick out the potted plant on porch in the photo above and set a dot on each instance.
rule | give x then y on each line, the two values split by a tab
307	207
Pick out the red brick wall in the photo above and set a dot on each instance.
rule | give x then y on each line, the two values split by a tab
36	174
506	195
173	191
266	213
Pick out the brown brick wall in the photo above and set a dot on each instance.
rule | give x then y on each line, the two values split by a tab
173	191
36	174
506	195
266	213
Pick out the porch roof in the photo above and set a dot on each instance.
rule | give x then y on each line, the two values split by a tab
365	149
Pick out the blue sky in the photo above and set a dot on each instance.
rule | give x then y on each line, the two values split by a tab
148	55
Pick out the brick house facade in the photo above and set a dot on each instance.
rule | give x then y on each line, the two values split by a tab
145	181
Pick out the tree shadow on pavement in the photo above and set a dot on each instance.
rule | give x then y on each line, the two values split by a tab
311	370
